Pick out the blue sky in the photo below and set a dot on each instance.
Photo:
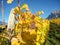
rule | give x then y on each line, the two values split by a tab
34	5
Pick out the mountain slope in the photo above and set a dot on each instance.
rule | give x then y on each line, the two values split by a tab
54	14
0	22
53	37
3	23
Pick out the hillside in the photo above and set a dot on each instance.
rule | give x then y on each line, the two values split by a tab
56	21
53	37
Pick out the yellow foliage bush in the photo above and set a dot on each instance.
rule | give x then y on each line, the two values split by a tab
33	29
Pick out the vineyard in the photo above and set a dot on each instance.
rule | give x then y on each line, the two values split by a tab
53	37
26	28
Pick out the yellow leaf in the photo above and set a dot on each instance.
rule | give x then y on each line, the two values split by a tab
9	1
37	43
24	6
14	41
